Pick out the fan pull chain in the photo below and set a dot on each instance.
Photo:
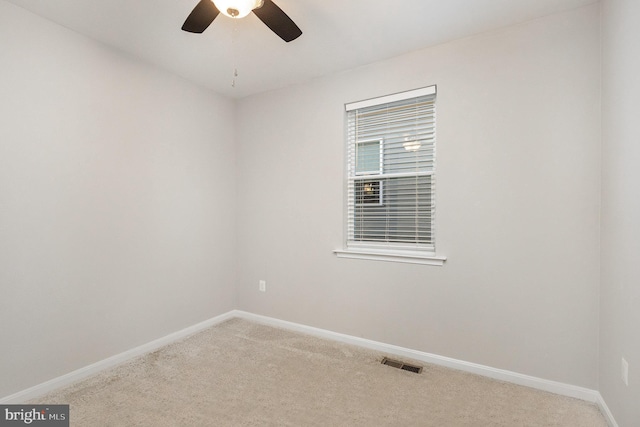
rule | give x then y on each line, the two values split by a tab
234	36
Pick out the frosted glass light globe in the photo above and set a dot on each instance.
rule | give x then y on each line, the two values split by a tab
237	8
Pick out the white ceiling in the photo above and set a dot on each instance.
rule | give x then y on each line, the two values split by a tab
337	34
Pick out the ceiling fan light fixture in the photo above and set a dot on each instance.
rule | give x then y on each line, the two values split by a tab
237	8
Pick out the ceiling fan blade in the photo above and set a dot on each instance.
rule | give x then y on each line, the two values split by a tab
278	21
200	17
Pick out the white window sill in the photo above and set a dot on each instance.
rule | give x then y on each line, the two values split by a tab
398	256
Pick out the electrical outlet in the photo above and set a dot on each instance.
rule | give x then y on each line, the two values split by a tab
262	285
625	371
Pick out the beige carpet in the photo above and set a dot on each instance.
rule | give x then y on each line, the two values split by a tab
240	373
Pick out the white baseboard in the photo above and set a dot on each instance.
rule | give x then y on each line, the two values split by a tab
94	368
563	389
500	374
606	412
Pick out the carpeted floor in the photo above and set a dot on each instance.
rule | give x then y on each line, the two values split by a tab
240	373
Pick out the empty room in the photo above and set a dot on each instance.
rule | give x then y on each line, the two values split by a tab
298	212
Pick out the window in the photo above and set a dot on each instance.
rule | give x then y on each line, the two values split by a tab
391	177
368	162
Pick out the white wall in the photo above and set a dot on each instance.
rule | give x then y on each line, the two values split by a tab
117	200
518	194
620	291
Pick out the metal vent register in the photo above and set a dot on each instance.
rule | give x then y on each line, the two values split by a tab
401	365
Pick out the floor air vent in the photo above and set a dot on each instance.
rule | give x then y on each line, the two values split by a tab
401	365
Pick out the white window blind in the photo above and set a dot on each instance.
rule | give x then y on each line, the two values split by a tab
390	172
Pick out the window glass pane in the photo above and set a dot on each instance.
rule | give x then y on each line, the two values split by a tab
404	216
368	157
368	191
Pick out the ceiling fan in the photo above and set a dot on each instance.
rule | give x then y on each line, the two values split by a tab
266	10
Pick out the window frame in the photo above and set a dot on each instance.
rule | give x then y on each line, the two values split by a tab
415	253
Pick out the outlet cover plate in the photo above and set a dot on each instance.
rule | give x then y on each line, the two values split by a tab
625	371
